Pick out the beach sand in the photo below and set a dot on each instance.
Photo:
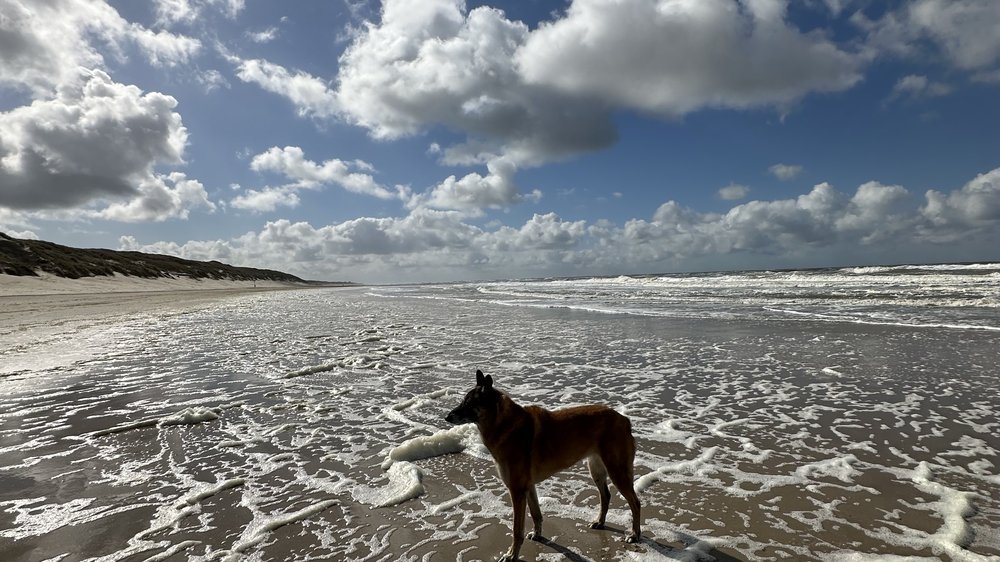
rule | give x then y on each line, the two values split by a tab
184	426
48	308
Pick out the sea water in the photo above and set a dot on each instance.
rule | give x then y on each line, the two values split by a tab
844	414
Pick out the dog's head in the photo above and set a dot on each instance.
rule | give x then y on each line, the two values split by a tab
479	400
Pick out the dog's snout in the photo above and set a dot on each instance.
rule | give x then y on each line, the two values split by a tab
459	415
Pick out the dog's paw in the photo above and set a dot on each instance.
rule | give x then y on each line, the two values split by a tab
507	558
596	525
632	538
537	537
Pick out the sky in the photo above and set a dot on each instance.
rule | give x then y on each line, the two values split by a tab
438	140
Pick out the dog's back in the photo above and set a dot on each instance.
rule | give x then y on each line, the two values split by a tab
564	437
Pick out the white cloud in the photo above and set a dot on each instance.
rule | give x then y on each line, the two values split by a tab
676	57
12	221
963	31
291	162
540	232
211	80
875	220
733	192
785	172
534	96
163	197
96	140
475	193
954	215
263	36
966	30
22	234
172	11
169	12
310	95
163	48
876	212
428	62
266	200
915	86
45	43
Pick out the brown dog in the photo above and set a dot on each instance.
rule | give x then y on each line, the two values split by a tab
529	444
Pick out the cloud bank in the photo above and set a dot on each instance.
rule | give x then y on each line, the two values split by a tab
875	222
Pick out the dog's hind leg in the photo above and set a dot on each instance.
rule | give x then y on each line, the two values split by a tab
536	515
620	470
600	475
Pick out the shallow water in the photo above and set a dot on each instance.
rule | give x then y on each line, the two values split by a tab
309	425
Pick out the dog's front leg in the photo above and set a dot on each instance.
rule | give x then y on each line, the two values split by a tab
518	498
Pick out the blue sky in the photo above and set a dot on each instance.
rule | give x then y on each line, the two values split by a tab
414	140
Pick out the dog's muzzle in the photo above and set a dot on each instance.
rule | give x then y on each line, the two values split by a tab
458	417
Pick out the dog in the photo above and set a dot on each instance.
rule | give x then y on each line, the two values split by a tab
529	444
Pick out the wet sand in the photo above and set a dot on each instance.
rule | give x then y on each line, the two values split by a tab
756	441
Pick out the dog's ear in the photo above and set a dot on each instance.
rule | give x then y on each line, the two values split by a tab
480	379
488	382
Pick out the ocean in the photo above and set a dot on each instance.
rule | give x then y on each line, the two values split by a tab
844	414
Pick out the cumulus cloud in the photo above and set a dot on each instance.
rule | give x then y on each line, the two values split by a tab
540	232
733	191
17	224
785	172
309	94
97	139
535	95
429	62
429	244
675	57
966	30
954	215
87	146
266	200
163	48
45	43
161	197
291	162
474	192
963	31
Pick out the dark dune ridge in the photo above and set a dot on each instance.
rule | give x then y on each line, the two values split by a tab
29	257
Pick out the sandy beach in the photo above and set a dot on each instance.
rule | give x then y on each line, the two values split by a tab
308	425
34	308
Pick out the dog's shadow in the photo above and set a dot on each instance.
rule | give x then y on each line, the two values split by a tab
667	551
